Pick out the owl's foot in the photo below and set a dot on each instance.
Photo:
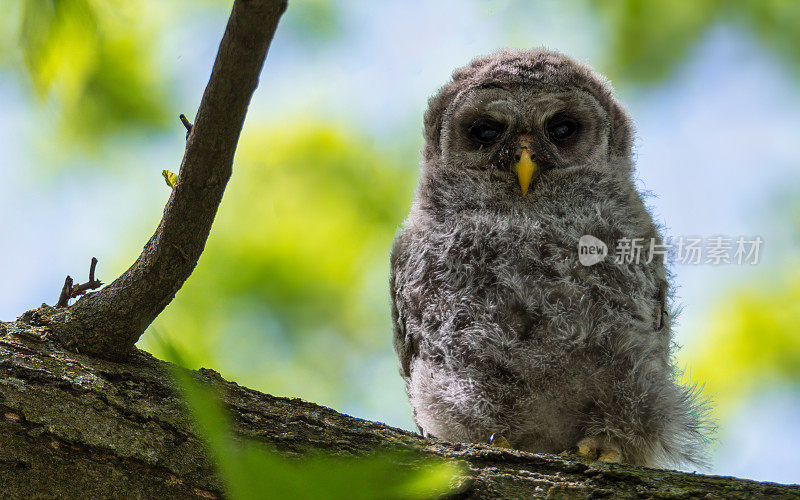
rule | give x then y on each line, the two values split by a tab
499	441
599	449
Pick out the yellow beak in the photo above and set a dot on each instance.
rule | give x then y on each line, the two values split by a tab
525	169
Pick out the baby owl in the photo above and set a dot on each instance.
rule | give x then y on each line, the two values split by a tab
503	335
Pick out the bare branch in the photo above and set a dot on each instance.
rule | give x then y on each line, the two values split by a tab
186	123
70	291
66	293
92	267
108	323
81	289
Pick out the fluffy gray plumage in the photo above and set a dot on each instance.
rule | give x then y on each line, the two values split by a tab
498	327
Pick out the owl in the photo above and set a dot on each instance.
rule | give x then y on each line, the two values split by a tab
505	334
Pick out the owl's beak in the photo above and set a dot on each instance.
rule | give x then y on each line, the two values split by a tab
525	167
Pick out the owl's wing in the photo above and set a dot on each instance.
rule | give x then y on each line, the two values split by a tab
404	344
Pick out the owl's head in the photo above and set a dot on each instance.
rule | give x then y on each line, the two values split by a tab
512	122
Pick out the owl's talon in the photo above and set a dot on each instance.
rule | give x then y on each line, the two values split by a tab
499	441
597	449
587	449
610	456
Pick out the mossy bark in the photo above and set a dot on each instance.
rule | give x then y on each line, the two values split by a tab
73	426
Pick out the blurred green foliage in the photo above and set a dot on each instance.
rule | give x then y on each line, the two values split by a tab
59	41
750	342
92	59
317	20
250	470
299	249
649	38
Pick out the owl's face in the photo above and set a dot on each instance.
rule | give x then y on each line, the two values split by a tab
494	127
510	122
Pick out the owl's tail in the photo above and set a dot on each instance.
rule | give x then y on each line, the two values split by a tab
656	424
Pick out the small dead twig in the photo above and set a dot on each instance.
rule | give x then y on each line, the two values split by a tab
70	291
89	285
92	266
66	290
187	124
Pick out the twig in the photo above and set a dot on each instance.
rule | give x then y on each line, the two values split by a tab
89	285
70	291
187	124
92	266
82	289
66	291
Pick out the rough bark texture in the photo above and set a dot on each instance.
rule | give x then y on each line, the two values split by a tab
73	426
108	323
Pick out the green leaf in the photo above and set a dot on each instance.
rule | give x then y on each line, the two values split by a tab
170	178
251	470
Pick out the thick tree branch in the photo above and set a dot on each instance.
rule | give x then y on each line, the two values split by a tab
108	323
72	426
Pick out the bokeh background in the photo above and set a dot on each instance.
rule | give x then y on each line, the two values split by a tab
291	294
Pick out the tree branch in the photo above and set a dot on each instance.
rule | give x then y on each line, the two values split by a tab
66	292
108	323
73	426
70	291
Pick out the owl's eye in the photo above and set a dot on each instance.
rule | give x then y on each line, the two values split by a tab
486	132
561	128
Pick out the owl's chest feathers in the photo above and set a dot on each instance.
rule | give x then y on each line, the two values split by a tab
518	279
